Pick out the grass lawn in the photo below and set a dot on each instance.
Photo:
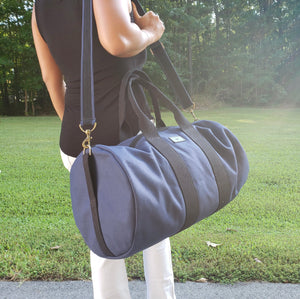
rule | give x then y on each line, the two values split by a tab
259	231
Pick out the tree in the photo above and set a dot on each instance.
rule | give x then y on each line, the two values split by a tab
235	51
20	79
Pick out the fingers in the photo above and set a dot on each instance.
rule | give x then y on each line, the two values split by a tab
136	13
153	15
150	14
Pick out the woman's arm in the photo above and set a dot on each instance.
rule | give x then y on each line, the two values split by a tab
118	35
51	74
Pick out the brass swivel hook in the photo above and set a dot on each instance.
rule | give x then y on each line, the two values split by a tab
86	143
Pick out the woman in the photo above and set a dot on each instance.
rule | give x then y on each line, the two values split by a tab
120	37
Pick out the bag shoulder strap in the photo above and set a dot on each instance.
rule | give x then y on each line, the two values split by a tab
88	118
168	68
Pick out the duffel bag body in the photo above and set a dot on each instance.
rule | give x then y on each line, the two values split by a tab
128	197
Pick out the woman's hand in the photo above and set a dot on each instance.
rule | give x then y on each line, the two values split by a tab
150	23
118	35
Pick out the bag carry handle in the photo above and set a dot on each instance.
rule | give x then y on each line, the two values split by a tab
127	91
161	55
151	133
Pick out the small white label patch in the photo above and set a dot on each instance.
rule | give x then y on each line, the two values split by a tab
177	139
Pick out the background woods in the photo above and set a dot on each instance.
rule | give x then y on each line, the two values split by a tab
21	88
235	52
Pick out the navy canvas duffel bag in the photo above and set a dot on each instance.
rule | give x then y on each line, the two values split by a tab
128	197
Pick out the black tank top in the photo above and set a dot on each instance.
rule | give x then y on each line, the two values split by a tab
59	22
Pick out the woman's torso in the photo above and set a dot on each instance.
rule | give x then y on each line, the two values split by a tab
59	22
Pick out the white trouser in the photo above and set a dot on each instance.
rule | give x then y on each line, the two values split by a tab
110	278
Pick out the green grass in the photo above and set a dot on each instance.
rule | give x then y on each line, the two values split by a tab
261	223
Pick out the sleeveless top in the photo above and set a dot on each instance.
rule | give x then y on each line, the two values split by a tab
59	23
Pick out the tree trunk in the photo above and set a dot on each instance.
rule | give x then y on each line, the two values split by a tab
32	105
6	104
265	5
26	104
216	11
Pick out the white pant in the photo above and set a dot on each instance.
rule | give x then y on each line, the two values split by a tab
110	278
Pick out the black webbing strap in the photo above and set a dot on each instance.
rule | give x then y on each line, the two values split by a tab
94	206
220	173
168	68
155	104
183	176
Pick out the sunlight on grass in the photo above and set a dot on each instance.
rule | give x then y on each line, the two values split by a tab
246	121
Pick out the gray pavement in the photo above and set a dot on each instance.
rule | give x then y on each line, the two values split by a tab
188	290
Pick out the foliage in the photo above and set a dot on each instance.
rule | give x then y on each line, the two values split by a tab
39	239
238	52
233	52
20	79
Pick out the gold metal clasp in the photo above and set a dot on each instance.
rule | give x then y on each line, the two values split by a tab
86	143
